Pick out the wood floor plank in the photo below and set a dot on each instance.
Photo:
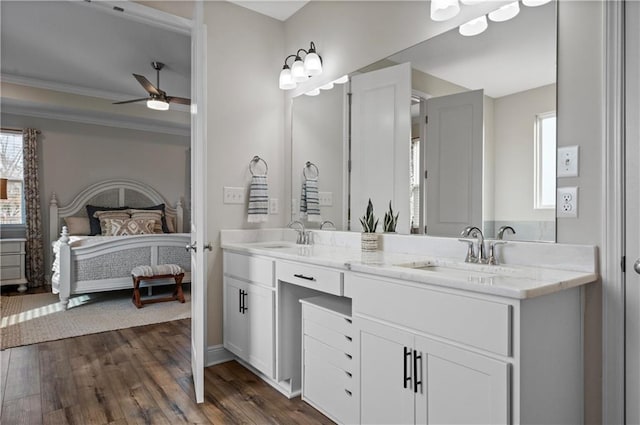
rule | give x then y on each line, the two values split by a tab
21	411
5	356
23	375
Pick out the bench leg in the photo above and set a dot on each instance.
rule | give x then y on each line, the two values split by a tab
136	292
177	293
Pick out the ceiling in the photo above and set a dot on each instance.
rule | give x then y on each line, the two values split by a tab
280	10
509	57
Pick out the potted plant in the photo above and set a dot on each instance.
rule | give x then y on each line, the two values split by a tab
369	225
390	220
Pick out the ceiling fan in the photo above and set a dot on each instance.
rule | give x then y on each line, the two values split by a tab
157	99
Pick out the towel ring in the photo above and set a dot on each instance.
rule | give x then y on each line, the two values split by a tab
257	159
309	165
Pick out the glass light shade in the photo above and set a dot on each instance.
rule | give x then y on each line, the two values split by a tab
158	105
286	80
298	72
327	86
534	3
505	13
313	92
342	79
471	2
474	26
443	10
312	64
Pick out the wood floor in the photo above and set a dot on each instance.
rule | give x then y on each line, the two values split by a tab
135	376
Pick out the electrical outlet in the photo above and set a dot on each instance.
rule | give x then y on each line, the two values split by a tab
568	161
567	202
274	207
233	195
325	199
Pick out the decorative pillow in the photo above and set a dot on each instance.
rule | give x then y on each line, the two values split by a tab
149	215
77	226
128	226
94	222
165	226
102	216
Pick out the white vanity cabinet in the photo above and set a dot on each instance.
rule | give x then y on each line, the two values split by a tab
249	310
329	367
432	355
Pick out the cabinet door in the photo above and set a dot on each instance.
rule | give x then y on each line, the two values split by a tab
260	343
386	397
460	386
235	325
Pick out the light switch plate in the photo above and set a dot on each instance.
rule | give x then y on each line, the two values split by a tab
274	206
568	161
325	199
567	202
233	195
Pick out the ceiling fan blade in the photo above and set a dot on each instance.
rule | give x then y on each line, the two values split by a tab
148	86
180	100
131	101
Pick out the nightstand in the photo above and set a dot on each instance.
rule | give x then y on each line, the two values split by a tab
12	261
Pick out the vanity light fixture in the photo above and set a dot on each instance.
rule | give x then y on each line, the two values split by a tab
534	3
301	69
313	92
327	86
341	80
443	10
505	12
474	26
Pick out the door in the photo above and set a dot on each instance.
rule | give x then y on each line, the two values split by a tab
460	387
198	201
235	322
453	158
380	143
632	230
259	305
386	381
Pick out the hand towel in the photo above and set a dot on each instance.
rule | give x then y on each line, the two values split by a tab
309	200
258	211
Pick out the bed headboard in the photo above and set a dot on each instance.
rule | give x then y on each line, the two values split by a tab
111	193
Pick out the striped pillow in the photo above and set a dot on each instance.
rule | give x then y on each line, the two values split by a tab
129	226
155	215
109	215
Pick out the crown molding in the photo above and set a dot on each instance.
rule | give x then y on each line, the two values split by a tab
84	116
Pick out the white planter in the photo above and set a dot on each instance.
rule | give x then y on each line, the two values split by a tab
369	242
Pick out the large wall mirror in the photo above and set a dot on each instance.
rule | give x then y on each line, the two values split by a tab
485	156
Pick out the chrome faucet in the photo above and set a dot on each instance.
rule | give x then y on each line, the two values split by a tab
303	235
474	232
504	229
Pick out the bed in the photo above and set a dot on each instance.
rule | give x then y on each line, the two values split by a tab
85	264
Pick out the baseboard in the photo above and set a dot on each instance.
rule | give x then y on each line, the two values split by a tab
217	354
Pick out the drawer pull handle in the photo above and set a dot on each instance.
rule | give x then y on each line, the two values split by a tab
349	374
348	355
406	378
301	276
348	320
348	338
348	393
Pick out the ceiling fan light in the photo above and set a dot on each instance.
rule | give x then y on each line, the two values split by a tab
505	12
286	79
341	80
443	10
312	64
534	3
474	26
158	105
298	72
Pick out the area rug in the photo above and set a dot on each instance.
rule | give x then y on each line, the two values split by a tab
29	319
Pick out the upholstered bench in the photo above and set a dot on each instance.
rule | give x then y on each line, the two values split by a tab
161	271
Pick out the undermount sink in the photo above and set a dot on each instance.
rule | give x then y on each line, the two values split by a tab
274	245
451	270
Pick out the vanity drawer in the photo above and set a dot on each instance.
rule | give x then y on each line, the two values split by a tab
333	321
249	268
338	358
323	387
480	323
319	278
330	337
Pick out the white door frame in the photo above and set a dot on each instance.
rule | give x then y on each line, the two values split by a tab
613	217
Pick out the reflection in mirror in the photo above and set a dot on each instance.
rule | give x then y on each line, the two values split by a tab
513	67
318	132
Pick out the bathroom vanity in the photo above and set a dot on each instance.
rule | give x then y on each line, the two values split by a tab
410	334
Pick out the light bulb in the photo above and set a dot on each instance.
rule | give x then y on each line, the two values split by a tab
312	64
298	72
442	10
286	79
474	26
505	13
534	3
158	105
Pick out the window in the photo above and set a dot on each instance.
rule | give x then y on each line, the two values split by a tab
545	161
11	166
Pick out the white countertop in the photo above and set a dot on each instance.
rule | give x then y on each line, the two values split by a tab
513	281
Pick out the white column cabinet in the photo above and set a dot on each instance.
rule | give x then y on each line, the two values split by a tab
249	311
